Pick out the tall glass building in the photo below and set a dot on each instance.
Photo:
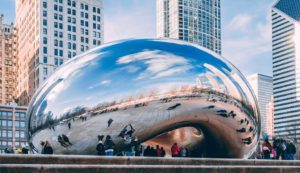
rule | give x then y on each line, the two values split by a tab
195	21
49	32
286	67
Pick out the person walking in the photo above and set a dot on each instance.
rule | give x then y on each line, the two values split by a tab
163	152
175	150
137	147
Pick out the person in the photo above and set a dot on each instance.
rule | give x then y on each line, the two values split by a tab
266	149
61	141
100	148
147	151
25	150
290	151
163	152
66	139
109	146
183	152
137	147
9	151
158	151
109	122
47	148
152	152
128	145
69	125
175	150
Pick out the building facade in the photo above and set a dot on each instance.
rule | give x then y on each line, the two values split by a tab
7	62
262	87
286	67
270	118
49	33
195	21
12	126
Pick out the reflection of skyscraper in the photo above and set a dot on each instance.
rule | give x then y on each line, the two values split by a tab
262	87
49	33
195	21
286	66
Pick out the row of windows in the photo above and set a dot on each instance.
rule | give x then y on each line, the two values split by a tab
9	134
9	123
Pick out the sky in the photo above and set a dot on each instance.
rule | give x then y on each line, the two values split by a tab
246	28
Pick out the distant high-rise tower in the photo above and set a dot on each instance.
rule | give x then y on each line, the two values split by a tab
7	62
195	21
262	87
286	67
49	33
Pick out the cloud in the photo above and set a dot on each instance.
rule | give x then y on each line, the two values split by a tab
240	22
102	83
159	64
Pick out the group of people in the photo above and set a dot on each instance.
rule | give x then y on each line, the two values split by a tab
154	152
280	150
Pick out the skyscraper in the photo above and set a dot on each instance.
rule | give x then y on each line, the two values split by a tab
270	118
262	87
195	21
49	33
286	67
7	62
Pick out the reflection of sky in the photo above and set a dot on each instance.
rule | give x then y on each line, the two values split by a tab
124	69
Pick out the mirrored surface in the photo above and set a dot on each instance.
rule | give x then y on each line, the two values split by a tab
166	90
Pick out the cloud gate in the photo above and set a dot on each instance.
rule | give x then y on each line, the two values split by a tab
166	90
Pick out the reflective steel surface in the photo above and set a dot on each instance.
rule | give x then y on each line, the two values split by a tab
166	90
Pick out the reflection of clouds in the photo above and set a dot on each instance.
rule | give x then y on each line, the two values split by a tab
159	64
102	83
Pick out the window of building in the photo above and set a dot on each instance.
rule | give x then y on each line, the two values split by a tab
61	53
61	43
60	17
74	37
61	34
82	6
60	8
55	34
55	7
4	133
74	46
45	50
44	31
22	124
45	60
56	52
55	61
9	133
44	22
55	42
44	4
45	40
9	123
82	14
74	12
61	61
45	13
45	71
3	123
94	9
86	7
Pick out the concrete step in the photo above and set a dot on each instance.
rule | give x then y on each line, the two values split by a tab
37	168
95	160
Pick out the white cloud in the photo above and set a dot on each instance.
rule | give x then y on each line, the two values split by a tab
159	64
240	22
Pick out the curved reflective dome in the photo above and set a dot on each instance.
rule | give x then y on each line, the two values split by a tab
166	90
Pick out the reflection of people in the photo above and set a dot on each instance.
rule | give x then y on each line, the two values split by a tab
69	125
126	132
137	147
109	122
61	141
66	139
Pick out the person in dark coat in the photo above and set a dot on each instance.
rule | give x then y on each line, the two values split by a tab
290	151
100	148
47	148
109	146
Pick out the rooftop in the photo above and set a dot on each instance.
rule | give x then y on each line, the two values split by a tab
290	8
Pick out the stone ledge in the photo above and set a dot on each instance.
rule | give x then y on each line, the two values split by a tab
95	160
37	168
